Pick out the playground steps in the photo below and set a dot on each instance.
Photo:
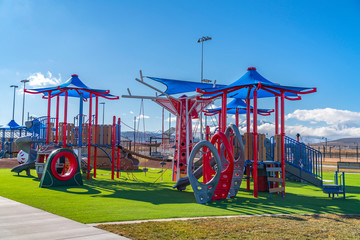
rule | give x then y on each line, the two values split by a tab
304	175
274	179
279	189
273	174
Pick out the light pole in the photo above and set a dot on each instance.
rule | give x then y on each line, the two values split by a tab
22	121
325	145
13	86
103	111
202	40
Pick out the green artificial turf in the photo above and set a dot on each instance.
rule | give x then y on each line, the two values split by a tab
135	197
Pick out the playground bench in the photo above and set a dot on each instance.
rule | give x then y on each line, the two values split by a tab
348	165
338	187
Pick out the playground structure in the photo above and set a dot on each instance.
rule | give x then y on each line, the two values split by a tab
56	135
8	134
221	160
265	158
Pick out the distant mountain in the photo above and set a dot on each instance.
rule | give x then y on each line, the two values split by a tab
156	136
345	142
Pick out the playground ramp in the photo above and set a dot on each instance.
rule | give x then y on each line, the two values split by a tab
304	175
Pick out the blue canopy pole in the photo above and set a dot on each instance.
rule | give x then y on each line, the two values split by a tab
3	139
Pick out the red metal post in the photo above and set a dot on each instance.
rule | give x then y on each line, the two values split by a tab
283	138
95	137
65	119
223	112
220	118
248	116
276	115
248	140
162	130
208	171
237	117
118	151
57	120
89	135
48	118
113	148
276	128
255	164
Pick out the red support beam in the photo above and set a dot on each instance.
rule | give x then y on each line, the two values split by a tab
95	137
255	164
223	112
113	148
89	137
57	120
237	117
283	138
162	130
248	140
48	118
118	151
276	115
220	119
248	116
65	119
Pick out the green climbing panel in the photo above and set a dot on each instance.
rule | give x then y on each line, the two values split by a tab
71	177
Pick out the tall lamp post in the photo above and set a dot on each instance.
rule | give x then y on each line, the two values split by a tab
13	113
325	145
202	40
103	111
22	121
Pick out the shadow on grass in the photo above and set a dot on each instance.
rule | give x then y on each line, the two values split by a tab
306	198
142	191
24	176
244	203
292	203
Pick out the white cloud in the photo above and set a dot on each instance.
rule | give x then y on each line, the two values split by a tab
41	80
212	106
338	124
131	112
38	80
141	116
328	115
172	119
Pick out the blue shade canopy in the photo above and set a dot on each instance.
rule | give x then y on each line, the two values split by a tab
11	125
74	86
252	79
238	103
179	86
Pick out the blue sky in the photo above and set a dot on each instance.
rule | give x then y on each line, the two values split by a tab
299	43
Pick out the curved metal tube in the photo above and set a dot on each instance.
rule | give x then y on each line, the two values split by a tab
239	161
203	192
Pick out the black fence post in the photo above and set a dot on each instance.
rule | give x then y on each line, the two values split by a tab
340	153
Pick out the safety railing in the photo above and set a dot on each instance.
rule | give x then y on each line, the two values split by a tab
300	155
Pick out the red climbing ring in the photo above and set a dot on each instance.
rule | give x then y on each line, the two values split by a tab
73	165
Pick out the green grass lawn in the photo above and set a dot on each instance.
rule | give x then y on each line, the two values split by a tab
105	200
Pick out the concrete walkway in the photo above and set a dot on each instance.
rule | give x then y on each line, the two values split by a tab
20	221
